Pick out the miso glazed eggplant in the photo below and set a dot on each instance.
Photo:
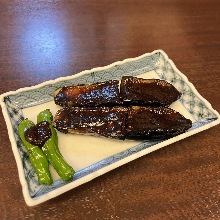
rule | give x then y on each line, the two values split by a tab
136	122
131	91
134	108
97	94
155	123
102	121
152	92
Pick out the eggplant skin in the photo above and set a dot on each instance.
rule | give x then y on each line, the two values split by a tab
155	123
134	122
138	111
101	121
150	92
92	95
133	91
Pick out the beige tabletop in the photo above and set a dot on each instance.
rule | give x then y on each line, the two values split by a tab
44	40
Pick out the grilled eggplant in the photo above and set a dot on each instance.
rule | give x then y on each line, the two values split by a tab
155	123
152	92
98	94
102	121
133	91
101	109
136	122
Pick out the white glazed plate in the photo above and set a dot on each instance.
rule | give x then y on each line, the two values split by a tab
93	156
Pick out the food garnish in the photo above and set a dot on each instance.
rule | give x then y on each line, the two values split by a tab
51	150
41	143
37	157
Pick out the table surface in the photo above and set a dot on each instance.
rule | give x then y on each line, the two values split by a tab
44	40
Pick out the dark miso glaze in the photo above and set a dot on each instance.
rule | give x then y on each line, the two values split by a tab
98	94
37	135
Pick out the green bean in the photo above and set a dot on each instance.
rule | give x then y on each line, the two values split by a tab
37	158
51	149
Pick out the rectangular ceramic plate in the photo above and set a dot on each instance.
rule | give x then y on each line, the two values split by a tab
94	156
